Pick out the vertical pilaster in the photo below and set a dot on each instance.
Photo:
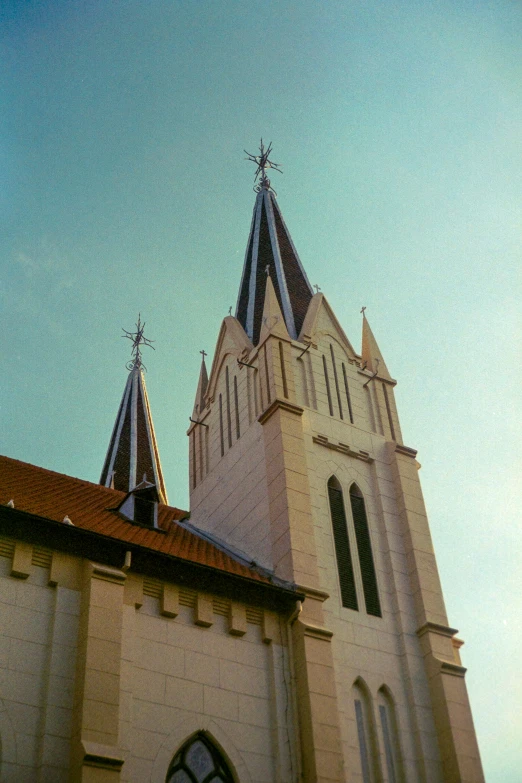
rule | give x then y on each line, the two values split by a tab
294	557
321	752
451	711
96	756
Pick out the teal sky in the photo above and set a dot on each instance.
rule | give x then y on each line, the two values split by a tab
125	190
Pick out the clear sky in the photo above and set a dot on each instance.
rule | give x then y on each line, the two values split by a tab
125	190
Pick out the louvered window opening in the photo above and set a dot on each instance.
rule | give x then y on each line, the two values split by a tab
342	549
229	418
269	399
42	557
144	512
236	404
194	469
336	379
6	548
327	382
364	548
201	463
347	390
222	442
388	411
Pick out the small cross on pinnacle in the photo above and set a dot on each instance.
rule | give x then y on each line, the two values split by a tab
230	310
138	339
362	311
317	288
263	163
267	270
203	354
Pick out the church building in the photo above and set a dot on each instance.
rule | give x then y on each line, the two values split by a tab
291	628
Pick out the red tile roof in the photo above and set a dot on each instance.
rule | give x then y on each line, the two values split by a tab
51	495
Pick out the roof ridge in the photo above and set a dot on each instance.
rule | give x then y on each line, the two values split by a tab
107	490
230	551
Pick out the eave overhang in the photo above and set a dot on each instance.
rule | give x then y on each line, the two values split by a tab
88	544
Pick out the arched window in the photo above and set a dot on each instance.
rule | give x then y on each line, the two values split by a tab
199	761
365	732
364	548
342	545
390	736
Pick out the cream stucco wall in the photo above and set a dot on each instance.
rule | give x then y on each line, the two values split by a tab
409	654
185	662
39	628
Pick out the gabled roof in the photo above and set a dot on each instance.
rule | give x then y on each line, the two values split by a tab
52	496
270	244
133	451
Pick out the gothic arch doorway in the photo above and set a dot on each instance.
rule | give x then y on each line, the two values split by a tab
199	761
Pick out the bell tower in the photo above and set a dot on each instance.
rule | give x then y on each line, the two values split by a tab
297	458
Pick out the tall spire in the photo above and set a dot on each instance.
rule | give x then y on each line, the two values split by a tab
371	353
270	250
133	451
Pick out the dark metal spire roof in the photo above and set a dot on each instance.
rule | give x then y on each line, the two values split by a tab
270	250
133	451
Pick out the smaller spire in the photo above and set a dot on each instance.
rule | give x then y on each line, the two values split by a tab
371	353
133	449
199	403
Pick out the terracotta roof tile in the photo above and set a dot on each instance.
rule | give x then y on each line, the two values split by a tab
45	493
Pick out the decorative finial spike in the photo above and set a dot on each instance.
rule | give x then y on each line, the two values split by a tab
138	339
263	163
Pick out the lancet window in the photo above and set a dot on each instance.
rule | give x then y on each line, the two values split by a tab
343	552
199	761
364	548
390	736
342	545
365	732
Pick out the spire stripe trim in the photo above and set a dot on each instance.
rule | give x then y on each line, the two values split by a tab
301	267
254	212
134	431
114	444
253	271
285	298
158	476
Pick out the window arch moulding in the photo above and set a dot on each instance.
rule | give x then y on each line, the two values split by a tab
199	761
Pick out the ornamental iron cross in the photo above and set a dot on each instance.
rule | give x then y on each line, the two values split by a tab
263	163
138	339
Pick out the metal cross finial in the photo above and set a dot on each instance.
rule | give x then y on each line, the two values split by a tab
263	163
138	339
230	310
317	288
267	270
362	311
203	353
